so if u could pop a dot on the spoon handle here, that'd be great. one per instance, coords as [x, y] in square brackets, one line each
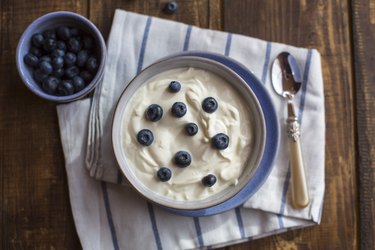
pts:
[300, 196]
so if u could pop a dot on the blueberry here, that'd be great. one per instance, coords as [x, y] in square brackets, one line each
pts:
[164, 174]
[61, 45]
[145, 137]
[170, 7]
[65, 88]
[154, 112]
[88, 42]
[49, 34]
[220, 141]
[78, 83]
[91, 64]
[86, 76]
[182, 159]
[174, 86]
[179, 109]
[37, 40]
[49, 44]
[74, 45]
[209, 105]
[57, 53]
[191, 128]
[31, 60]
[35, 51]
[45, 58]
[71, 72]
[63, 33]
[209, 180]
[58, 73]
[70, 59]
[39, 76]
[58, 62]
[74, 31]
[82, 57]
[50, 85]
[45, 67]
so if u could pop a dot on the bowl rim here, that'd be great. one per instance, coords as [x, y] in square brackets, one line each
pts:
[29, 83]
[126, 170]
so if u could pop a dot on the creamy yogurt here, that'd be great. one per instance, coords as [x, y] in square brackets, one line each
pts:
[231, 118]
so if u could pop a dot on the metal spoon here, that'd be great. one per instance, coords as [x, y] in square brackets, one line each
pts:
[286, 81]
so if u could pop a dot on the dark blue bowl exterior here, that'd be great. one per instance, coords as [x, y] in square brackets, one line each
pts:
[272, 138]
[53, 20]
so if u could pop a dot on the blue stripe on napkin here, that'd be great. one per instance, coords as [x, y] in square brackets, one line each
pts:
[228, 45]
[109, 215]
[283, 198]
[154, 225]
[266, 62]
[240, 222]
[144, 43]
[199, 231]
[304, 86]
[187, 37]
[300, 114]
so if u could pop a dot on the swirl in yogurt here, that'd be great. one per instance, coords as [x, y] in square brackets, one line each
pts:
[231, 118]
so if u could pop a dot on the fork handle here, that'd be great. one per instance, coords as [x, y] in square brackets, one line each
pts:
[300, 196]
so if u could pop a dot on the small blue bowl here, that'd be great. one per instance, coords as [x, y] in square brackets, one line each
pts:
[51, 21]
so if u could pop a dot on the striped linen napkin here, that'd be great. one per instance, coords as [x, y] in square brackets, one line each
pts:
[108, 215]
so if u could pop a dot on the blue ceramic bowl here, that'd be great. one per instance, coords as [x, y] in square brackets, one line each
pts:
[265, 146]
[51, 21]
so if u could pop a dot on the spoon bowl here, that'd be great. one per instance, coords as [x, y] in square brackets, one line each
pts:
[285, 75]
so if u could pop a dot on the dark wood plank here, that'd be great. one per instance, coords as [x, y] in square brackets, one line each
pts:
[364, 50]
[203, 13]
[323, 25]
[35, 208]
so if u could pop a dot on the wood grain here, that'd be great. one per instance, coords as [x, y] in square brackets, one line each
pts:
[35, 208]
[203, 13]
[323, 25]
[34, 203]
[363, 18]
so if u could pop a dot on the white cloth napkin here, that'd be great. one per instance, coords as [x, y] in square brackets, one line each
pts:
[108, 215]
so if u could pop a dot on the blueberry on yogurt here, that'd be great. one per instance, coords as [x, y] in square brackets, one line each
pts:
[182, 159]
[145, 137]
[209, 105]
[154, 112]
[191, 129]
[179, 109]
[164, 174]
[220, 141]
[209, 180]
[174, 86]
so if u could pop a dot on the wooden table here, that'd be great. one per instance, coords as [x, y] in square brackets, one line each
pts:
[34, 202]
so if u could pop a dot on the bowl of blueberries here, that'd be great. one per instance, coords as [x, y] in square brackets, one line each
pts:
[61, 56]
